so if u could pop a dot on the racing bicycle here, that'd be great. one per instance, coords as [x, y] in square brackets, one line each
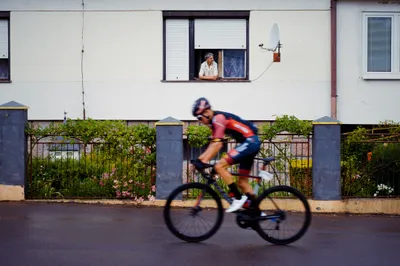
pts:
[269, 212]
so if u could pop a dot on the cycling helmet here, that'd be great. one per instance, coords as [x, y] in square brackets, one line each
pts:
[200, 105]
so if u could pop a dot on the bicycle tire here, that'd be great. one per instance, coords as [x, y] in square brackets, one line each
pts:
[306, 223]
[167, 208]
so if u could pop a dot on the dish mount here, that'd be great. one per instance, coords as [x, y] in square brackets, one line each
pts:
[274, 43]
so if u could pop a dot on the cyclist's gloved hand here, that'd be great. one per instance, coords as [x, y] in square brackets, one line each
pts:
[199, 164]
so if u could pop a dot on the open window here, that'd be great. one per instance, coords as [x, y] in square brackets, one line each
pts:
[188, 36]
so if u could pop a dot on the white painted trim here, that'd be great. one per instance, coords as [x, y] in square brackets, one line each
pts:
[395, 60]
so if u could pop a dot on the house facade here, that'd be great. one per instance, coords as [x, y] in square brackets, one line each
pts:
[139, 60]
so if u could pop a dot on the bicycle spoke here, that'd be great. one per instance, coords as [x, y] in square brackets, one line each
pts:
[283, 227]
[201, 225]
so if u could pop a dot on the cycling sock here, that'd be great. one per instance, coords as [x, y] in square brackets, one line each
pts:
[252, 199]
[234, 189]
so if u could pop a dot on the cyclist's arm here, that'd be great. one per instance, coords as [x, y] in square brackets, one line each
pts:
[216, 142]
[211, 151]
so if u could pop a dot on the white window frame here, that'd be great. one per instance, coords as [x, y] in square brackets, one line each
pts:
[395, 73]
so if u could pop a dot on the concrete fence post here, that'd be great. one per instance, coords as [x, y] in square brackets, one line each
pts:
[169, 148]
[326, 159]
[13, 151]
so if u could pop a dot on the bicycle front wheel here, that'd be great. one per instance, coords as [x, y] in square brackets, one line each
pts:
[193, 212]
[286, 215]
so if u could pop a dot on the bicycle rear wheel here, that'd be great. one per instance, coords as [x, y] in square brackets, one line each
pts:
[296, 208]
[193, 200]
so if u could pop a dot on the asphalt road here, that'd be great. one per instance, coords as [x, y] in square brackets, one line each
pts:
[39, 234]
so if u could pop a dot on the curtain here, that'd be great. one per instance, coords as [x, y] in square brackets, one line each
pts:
[379, 44]
[234, 64]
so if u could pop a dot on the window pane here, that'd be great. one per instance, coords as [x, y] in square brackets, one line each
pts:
[379, 44]
[4, 69]
[234, 63]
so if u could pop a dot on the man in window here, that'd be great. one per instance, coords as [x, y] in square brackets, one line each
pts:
[209, 68]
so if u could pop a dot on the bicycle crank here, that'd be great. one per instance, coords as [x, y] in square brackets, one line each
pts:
[244, 220]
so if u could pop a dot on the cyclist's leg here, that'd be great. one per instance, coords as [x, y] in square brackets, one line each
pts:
[234, 156]
[244, 169]
[239, 198]
[221, 168]
[245, 165]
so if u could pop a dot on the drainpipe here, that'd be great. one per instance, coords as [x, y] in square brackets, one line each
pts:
[333, 60]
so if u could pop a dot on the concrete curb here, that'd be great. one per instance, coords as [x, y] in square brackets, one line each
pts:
[387, 206]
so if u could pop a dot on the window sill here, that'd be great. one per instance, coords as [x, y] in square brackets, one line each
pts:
[381, 76]
[5, 81]
[206, 81]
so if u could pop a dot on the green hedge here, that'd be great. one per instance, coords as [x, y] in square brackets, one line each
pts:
[120, 164]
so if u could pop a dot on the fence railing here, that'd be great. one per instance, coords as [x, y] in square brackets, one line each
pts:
[293, 165]
[59, 168]
[65, 169]
[370, 167]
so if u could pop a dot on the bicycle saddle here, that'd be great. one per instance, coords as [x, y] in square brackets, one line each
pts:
[267, 159]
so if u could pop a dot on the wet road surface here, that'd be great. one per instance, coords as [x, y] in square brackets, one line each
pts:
[40, 234]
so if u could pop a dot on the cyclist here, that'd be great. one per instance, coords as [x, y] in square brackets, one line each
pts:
[245, 133]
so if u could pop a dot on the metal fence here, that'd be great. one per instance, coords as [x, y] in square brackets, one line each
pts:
[59, 168]
[293, 165]
[370, 167]
[72, 169]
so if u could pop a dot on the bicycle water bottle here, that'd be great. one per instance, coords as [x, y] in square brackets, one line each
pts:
[264, 176]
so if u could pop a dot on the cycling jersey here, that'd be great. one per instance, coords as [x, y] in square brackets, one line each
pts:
[232, 125]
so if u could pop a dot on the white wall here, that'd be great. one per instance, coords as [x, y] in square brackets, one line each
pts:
[361, 101]
[150, 5]
[122, 63]
[45, 64]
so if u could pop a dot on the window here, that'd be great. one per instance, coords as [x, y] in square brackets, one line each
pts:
[381, 45]
[189, 36]
[4, 46]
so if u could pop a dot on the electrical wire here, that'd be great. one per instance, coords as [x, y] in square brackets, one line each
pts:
[82, 51]
[263, 71]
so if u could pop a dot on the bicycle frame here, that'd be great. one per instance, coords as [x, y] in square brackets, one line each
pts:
[211, 181]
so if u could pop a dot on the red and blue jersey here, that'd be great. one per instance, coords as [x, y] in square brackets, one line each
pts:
[231, 125]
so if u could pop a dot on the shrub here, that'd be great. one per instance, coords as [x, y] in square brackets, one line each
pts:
[370, 161]
[113, 156]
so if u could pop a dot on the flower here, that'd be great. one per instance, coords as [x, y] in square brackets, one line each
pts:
[384, 188]
[140, 200]
[369, 155]
[153, 188]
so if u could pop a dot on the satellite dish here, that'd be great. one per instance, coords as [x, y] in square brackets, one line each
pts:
[274, 38]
